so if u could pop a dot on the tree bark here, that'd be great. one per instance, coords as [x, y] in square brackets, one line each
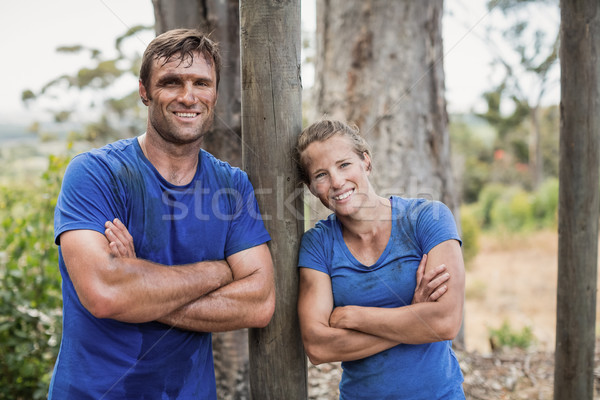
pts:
[271, 122]
[220, 18]
[578, 199]
[380, 65]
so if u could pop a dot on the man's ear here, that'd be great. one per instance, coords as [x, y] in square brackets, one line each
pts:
[143, 93]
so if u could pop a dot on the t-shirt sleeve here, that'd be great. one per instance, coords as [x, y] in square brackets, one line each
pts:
[87, 198]
[313, 253]
[247, 227]
[435, 224]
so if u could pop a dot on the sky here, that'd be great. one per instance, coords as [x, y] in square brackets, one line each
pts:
[31, 30]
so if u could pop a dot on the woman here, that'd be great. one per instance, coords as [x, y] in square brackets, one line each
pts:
[358, 274]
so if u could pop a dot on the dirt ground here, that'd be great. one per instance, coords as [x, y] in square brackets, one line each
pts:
[512, 279]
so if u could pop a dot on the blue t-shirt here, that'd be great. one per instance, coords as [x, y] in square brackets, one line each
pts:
[213, 217]
[425, 371]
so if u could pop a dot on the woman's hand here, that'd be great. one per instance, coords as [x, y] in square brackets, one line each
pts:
[119, 239]
[430, 285]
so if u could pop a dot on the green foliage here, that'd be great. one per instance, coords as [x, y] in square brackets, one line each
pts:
[116, 117]
[472, 146]
[30, 296]
[545, 204]
[470, 233]
[487, 198]
[511, 208]
[494, 115]
[506, 336]
[513, 211]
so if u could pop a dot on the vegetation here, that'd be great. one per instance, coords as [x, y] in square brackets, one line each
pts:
[107, 116]
[30, 297]
[506, 336]
[491, 157]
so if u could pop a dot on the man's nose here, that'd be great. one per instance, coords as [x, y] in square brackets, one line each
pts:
[188, 94]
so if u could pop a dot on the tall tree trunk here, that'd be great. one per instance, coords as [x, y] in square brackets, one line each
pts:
[220, 18]
[379, 65]
[578, 199]
[272, 120]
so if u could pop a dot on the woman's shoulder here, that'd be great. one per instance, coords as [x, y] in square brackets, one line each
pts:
[323, 230]
[413, 208]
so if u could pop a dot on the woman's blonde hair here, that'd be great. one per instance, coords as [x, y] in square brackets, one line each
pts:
[323, 130]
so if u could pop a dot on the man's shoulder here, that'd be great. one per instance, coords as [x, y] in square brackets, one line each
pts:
[222, 170]
[120, 150]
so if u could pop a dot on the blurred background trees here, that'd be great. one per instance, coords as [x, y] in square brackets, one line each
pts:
[503, 167]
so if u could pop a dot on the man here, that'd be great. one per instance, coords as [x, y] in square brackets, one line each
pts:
[136, 319]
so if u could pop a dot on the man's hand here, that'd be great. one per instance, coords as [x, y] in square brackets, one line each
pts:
[431, 285]
[119, 239]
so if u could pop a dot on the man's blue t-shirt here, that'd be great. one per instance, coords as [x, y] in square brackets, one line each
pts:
[425, 371]
[213, 217]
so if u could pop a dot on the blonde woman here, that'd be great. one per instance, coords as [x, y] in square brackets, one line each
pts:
[362, 298]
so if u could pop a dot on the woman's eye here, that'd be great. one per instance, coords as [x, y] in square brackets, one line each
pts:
[344, 165]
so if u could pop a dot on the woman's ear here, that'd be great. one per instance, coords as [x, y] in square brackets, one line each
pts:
[367, 161]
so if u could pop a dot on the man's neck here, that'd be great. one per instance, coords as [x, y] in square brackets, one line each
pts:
[176, 163]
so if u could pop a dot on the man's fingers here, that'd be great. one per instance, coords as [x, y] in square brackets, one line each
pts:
[421, 269]
[122, 229]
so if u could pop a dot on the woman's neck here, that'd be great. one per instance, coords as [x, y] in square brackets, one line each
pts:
[369, 221]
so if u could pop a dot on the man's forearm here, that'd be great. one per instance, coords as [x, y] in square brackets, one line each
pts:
[142, 291]
[244, 303]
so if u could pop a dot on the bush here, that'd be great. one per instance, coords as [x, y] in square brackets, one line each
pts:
[30, 296]
[486, 200]
[545, 204]
[506, 336]
[513, 212]
[470, 233]
[512, 209]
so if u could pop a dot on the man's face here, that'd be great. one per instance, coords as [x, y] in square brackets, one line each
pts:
[181, 99]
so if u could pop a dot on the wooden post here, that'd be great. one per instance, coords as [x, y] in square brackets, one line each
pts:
[578, 199]
[271, 122]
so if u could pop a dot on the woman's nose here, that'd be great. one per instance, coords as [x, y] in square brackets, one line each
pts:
[337, 180]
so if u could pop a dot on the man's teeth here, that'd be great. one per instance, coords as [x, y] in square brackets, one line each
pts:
[186, 115]
[344, 195]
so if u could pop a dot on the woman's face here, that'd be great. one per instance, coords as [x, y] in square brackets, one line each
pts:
[337, 175]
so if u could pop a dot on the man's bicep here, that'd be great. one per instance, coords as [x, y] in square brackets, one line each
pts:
[85, 252]
[251, 261]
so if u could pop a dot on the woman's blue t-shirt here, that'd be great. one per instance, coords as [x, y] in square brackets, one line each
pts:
[425, 371]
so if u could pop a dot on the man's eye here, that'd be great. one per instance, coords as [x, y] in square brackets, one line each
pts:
[168, 83]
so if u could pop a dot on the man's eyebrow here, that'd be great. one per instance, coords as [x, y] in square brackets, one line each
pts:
[168, 77]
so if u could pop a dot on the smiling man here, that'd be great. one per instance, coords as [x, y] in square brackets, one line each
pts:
[160, 244]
